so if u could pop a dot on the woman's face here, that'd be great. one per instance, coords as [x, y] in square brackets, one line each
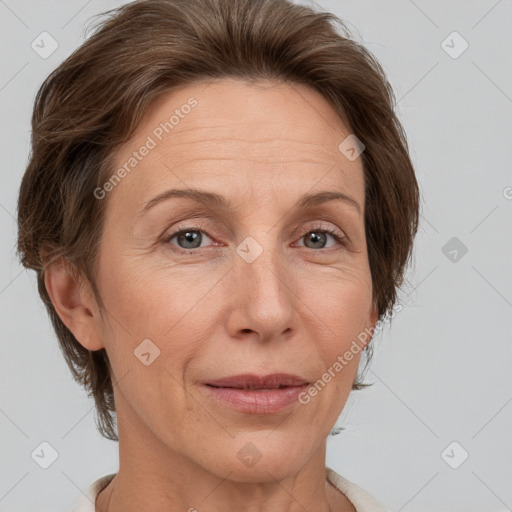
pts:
[258, 286]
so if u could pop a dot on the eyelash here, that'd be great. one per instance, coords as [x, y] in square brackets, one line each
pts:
[341, 240]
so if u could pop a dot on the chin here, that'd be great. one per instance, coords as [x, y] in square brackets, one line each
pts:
[263, 458]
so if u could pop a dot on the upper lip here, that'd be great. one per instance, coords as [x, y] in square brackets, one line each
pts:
[252, 381]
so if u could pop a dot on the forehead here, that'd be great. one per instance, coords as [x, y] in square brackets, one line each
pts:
[231, 132]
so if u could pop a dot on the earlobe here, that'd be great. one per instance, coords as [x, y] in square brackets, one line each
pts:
[74, 303]
[375, 316]
[370, 330]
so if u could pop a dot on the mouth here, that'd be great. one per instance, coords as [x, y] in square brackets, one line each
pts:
[254, 394]
[255, 382]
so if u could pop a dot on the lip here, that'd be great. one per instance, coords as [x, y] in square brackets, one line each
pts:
[253, 381]
[257, 394]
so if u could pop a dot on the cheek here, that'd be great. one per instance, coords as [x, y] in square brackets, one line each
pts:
[344, 300]
[168, 306]
[341, 316]
[342, 310]
[150, 327]
[146, 298]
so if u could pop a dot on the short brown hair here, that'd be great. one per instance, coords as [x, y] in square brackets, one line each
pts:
[95, 99]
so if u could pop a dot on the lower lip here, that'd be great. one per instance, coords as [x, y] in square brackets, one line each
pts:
[264, 401]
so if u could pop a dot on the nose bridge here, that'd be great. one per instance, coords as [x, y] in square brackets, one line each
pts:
[263, 296]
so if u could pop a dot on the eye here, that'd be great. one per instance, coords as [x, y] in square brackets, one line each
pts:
[188, 238]
[317, 238]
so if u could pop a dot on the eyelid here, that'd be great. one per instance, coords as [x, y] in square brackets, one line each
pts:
[339, 236]
[186, 226]
[334, 232]
[318, 224]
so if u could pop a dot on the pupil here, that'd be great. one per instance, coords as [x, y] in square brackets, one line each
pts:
[192, 237]
[316, 238]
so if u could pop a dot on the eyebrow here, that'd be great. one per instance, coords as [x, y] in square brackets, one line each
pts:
[219, 202]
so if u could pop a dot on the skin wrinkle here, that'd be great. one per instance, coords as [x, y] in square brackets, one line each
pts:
[160, 213]
[200, 148]
[294, 309]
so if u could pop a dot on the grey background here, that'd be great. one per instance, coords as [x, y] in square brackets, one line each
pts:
[441, 372]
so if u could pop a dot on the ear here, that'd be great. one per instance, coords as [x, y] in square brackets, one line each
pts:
[73, 301]
[374, 318]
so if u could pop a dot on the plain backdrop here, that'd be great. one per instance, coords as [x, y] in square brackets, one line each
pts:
[433, 433]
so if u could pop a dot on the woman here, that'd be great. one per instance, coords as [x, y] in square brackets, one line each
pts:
[220, 207]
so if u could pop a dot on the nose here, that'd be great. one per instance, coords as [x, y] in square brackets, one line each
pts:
[262, 295]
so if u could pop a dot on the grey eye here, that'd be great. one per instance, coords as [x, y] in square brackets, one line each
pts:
[188, 238]
[315, 240]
